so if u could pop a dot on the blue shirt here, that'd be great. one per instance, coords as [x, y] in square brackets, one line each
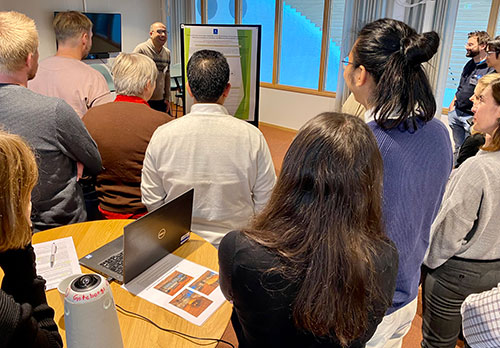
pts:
[417, 164]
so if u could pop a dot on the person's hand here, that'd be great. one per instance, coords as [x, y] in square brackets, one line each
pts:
[167, 102]
[79, 170]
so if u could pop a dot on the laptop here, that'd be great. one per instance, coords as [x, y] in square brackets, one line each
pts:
[144, 241]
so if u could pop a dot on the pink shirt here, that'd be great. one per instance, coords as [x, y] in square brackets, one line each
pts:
[72, 80]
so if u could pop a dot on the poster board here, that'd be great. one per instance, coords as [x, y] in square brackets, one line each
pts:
[240, 44]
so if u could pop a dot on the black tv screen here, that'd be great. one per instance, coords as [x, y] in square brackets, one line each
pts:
[107, 33]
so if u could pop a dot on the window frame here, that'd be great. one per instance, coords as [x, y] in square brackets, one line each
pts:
[278, 25]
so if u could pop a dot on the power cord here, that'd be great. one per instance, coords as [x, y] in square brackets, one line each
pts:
[178, 333]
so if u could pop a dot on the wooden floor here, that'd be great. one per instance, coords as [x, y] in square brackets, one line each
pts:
[279, 139]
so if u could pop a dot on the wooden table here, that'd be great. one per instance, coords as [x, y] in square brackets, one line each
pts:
[137, 333]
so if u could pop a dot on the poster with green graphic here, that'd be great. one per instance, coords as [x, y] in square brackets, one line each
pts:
[240, 44]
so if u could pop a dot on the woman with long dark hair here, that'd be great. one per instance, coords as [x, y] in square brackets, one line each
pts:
[464, 251]
[384, 72]
[315, 269]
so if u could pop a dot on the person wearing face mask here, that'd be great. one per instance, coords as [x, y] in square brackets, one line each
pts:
[464, 247]
[460, 107]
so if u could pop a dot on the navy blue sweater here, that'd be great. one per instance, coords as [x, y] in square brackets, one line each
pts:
[417, 164]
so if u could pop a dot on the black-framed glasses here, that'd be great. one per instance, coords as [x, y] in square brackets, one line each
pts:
[346, 61]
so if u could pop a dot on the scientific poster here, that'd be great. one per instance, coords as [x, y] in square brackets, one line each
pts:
[240, 44]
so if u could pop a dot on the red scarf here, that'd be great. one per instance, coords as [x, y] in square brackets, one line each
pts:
[130, 99]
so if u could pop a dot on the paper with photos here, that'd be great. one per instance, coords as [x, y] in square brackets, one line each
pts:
[187, 289]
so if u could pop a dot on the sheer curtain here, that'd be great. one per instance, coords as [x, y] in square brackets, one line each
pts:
[178, 12]
[443, 22]
[356, 14]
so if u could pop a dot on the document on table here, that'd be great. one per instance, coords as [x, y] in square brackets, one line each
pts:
[186, 289]
[56, 260]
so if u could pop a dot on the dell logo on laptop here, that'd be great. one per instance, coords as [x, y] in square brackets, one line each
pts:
[162, 233]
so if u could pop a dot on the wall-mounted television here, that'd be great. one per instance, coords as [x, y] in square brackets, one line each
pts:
[107, 34]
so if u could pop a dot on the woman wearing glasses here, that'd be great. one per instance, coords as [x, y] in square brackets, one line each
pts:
[315, 269]
[464, 251]
[384, 72]
[25, 318]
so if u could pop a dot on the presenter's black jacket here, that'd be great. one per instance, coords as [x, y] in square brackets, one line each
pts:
[26, 320]
[262, 314]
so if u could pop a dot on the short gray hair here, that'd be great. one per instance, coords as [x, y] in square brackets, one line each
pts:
[18, 38]
[131, 73]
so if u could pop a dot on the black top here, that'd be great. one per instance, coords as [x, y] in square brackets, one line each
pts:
[468, 80]
[262, 312]
[26, 320]
[470, 147]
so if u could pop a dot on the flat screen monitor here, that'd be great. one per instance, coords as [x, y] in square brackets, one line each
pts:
[107, 34]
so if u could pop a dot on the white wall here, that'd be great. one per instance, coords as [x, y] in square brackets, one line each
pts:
[289, 109]
[137, 16]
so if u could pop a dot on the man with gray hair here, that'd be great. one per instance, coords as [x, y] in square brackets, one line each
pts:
[154, 48]
[65, 75]
[122, 131]
[50, 126]
[225, 159]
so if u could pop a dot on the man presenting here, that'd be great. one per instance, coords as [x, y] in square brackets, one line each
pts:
[154, 49]
[49, 125]
[64, 75]
[225, 159]
[460, 107]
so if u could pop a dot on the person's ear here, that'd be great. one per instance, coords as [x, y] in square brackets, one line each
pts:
[188, 89]
[226, 90]
[361, 76]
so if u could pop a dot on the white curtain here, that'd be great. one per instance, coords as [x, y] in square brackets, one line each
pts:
[357, 13]
[443, 22]
[178, 12]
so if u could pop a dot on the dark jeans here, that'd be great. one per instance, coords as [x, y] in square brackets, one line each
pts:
[444, 290]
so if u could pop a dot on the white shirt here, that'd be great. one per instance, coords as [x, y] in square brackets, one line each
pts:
[225, 159]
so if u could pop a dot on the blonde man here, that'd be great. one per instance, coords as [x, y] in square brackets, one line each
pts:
[65, 75]
[154, 49]
[122, 131]
[50, 125]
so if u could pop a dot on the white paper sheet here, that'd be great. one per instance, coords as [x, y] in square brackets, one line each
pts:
[186, 289]
[65, 261]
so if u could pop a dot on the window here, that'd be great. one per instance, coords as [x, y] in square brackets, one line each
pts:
[301, 37]
[262, 12]
[302, 59]
[334, 42]
[470, 18]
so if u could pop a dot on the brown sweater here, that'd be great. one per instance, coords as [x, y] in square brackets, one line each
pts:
[122, 131]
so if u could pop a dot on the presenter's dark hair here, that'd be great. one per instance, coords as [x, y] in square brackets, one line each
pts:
[324, 220]
[208, 75]
[393, 53]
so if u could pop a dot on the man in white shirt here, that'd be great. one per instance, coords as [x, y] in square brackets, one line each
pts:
[64, 75]
[225, 159]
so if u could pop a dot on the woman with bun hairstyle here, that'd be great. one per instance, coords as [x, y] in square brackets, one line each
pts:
[315, 269]
[384, 72]
[464, 251]
[25, 318]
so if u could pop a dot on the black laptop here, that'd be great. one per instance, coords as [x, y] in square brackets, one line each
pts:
[145, 241]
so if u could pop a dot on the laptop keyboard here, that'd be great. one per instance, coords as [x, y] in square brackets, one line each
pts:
[114, 263]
